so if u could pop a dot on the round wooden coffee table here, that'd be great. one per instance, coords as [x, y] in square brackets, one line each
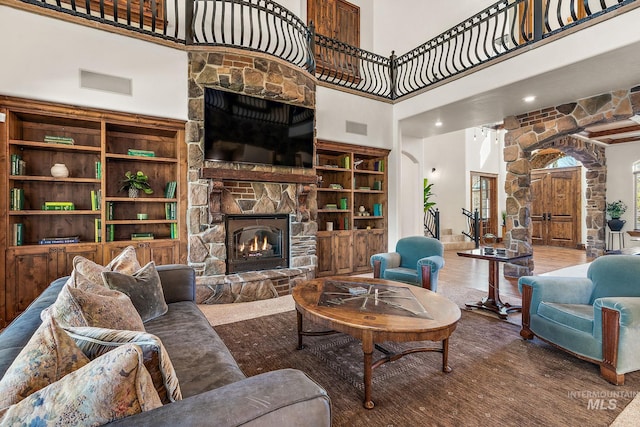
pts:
[374, 311]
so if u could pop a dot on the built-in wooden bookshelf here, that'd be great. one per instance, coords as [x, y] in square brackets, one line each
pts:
[94, 146]
[353, 178]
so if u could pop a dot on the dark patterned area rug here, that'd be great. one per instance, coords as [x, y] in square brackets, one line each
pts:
[498, 379]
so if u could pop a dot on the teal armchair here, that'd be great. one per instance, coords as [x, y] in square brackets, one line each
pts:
[596, 318]
[416, 261]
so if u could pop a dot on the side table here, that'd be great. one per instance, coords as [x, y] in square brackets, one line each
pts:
[492, 301]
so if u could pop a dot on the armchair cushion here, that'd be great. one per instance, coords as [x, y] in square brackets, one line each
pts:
[576, 316]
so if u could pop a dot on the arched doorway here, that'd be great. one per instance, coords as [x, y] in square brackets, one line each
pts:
[555, 127]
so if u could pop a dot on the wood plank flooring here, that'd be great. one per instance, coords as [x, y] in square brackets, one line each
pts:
[473, 273]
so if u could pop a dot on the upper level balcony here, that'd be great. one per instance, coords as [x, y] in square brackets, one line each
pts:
[501, 31]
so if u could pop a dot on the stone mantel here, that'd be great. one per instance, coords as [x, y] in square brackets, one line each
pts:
[255, 176]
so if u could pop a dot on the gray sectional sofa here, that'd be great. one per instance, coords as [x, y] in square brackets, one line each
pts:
[214, 389]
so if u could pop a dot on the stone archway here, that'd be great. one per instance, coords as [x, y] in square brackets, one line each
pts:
[553, 127]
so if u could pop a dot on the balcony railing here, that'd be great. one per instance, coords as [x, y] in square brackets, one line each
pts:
[266, 26]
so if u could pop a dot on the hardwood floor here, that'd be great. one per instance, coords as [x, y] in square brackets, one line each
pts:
[473, 273]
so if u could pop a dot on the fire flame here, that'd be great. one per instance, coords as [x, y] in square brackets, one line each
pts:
[255, 245]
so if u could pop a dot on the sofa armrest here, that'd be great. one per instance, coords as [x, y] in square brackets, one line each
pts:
[567, 290]
[387, 260]
[178, 282]
[286, 397]
[629, 308]
[435, 262]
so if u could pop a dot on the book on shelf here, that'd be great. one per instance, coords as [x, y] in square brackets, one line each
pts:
[16, 202]
[18, 166]
[110, 208]
[17, 238]
[141, 236]
[143, 153]
[98, 230]
[170, 209]
[111, 233]
[59, 240]
[98, 170]
[174, 230]
[58, 206]
[96, 196]
[170, 189]
[52, 139]
[331, 206]
[377, 209]
[378, 165]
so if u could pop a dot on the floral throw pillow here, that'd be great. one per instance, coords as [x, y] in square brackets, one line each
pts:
[112, 387]
[49, 355]
[143, 287]
[94, 342]
[88, 273]
[105, 308]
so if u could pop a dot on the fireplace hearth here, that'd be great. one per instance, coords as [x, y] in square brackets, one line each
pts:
[257, 242]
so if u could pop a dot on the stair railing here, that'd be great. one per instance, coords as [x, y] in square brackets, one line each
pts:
[473, 220]
[432, 223]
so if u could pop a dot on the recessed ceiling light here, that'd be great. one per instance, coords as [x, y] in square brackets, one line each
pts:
[529, 98]
[438, 123]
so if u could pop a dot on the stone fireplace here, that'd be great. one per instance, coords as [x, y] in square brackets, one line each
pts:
[220, 191]
[257, 242]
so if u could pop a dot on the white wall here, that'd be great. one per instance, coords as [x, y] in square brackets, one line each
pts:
[42, 59]
[447, 154]
[335, 108]
[620, 159]
[410, 196]
[405, 24]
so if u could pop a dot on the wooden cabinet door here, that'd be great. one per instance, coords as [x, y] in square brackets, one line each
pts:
[164, 252]
[556, 207]
[360, 251]
[29, 272]
[365, 244]
[342, 252]
[324, 249]
[92, 252]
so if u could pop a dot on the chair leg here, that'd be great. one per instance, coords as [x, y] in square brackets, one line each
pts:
[610, 341]
[527, 293]
[376, 269]
[426, 277]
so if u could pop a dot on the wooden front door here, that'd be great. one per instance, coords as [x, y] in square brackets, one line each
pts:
[484, 198]
[556, 207]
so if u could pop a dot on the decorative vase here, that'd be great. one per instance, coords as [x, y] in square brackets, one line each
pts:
[59, 170]
[133, 192]
[616, 224]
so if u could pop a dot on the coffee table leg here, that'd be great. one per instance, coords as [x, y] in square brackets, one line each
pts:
[445, 356]
[299, 316]
[367, 349]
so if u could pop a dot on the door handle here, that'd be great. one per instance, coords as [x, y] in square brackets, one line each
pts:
[544, 216]
[549, 216]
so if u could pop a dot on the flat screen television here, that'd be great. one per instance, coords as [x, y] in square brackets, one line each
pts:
[246, 129]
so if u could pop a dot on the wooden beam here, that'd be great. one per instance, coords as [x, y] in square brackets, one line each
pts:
[256, 176]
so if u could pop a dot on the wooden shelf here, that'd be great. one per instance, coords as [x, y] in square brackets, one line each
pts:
[256, 176]
[101, 136]
[347, 248]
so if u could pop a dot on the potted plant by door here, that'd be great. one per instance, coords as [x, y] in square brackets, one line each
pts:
[134, 182]
[615, 211]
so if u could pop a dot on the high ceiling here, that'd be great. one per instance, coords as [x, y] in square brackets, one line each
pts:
[616, 69]
[614, 133]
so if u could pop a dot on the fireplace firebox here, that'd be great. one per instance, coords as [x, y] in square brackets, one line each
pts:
[257, 242]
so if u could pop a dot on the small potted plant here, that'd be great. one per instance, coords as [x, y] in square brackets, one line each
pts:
[134, 182]
[615, 211]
